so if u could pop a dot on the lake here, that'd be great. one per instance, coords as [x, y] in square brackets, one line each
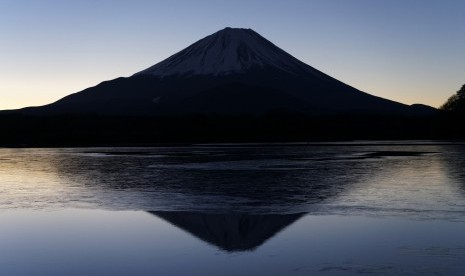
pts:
[381, 208]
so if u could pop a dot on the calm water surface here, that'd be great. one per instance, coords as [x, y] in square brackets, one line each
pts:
[318, 209]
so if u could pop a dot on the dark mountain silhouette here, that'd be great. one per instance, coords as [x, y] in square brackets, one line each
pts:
[231, 86]
[230, 232]
[231, 72]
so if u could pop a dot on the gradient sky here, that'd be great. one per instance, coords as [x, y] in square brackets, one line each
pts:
[411, 51]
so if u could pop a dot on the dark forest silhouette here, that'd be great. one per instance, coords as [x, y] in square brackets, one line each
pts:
[456, 103]
[452, 115]
[277, 127]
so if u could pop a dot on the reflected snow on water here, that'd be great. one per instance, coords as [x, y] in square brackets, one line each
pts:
[319, 209]
[422, 180]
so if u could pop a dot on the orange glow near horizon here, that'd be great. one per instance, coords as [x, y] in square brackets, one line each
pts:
[50, 50]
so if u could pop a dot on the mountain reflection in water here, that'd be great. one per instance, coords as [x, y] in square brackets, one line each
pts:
[231, 231]
[286, 179]
[320, 209]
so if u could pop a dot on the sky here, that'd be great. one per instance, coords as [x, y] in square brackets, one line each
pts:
[410, 51]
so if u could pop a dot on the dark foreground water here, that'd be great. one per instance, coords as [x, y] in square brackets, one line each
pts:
[317, 209]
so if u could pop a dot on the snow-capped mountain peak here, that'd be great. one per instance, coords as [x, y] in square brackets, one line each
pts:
[231, 50]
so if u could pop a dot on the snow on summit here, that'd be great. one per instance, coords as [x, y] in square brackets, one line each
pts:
[231, 50]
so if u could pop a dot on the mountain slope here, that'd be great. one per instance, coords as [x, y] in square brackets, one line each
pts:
[231, 72]
[229, 51]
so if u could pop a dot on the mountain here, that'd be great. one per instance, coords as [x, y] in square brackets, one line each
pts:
[229, 51]
[231, 72]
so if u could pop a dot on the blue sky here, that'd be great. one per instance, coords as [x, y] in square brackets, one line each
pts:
[412, 51]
